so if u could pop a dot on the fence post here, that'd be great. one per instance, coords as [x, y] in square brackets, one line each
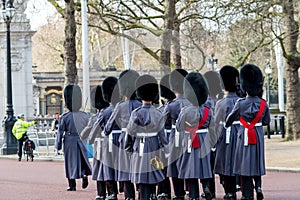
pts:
[282, 128]
[268, 131]
[275, 125]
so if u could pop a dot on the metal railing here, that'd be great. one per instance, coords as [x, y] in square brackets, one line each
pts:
[44, 141]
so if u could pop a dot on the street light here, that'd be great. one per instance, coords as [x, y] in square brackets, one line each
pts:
[10, 142]
[268, 71]
[213, 62]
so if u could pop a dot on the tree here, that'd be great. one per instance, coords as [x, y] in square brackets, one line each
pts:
[70, 44]
[289, 41]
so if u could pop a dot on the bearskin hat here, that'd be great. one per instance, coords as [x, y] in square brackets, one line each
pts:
[73, 97]
[195, 88]
[146, 88]
[97, 98]
[126, 83]
[230, 78]
[165, 90]
[176, 80]
[252, 80]
[213, 80]
[109, 89]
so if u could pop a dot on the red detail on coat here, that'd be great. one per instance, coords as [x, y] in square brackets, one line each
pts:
[250, 127]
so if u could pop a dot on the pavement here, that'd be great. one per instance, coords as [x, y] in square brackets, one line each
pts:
[45, 178]
[280, 155]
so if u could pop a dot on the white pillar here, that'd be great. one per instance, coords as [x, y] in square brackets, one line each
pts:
[85, 56]
[280, 70]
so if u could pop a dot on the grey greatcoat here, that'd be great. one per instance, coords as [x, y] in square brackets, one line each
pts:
[171, 112]
[109, 153]
[250, 159]
[93, 136]
[76, 160]
[120, 118]
[226, 145]
[146, 120]
[195, 162]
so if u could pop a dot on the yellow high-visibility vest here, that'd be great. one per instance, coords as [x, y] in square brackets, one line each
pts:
[20, 128]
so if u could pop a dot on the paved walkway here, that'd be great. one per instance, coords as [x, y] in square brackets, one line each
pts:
[280, 155]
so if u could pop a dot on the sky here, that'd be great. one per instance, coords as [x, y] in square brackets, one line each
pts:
[39, 12]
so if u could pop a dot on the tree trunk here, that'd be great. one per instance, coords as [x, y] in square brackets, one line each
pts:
[165, 50]
[176, 44]
[292, 77]
[70, 44]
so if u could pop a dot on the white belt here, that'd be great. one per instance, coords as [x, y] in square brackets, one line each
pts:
[152, 134]
[168, 130]
[124, 129]
[205, 130]
[233, 123]
[257, 124]
[116, 131]
[246, 133]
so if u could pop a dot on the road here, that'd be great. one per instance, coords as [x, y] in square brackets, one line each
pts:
[40, 180]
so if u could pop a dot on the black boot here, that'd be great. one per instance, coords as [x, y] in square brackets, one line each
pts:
[259, 194]
[207, 193]
[177, 198]
[230, 196]
[72, 185]
[112, 197]
[85, 182]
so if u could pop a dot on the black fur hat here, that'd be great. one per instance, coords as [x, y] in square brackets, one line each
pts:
[147, 88]
[97, 98]
[230, 78]
[73, 97]
[165, 90]
[126, 83]
[109, 88]
[252, 80]
[213, 82]
[195, 88]
[176, 80]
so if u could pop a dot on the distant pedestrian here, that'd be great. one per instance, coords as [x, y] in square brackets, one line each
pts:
[54, 125]
[253, 113]
[20, 132]
[71, 124]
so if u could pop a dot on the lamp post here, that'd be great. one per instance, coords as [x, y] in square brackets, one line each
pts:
[213, 62]
[10, 142]
[268, 71]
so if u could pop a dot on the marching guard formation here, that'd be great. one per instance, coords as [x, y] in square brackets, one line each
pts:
[205, 125]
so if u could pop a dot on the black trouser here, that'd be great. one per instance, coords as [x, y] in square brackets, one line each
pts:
[147, 190]
[229, 184]
[113, 187]
[193, 185]
[257, 181]
[212, 184]
[101, 188]
[178, 186]
[205, 183]
[164, 187]
[72, 183]
[247, 186]
[129, 189]
[20, 145]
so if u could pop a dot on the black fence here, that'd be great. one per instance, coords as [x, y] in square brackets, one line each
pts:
[277, 126]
